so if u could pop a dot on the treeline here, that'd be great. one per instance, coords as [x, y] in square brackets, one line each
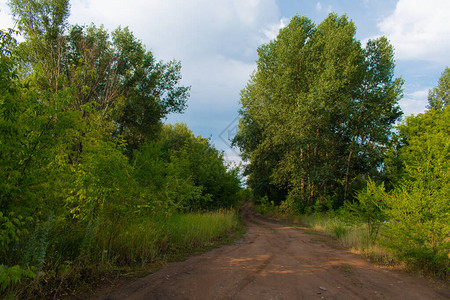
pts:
[317, 128]
[85, 158]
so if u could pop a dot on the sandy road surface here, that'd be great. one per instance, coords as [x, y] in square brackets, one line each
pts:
[274, 261]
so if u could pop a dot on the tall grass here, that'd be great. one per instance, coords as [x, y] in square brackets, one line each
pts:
[350, 235]
[68, 256]
[148, 239]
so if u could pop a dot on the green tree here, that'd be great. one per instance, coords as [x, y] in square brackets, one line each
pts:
[10, 108]
[186, 171]
[114, 74]
[370, 208]
[149, 88]
[317, 112]
[43, 24]
[439, 97]
[418, 206]
[28, 143]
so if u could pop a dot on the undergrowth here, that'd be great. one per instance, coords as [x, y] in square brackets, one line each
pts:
[68, 260]
[351, 236]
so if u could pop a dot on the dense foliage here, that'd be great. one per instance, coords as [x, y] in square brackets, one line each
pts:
[83, 149]
[317, 114]
[413, 215]
[418, 207]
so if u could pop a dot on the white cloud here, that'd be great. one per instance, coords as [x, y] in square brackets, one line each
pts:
[216, 80]
[319, 6]
[415, 102]
[184, 29]
[419, 30]
[5, 19]
[231, 157]
[330, 9]
[271, 30]
[216, 41]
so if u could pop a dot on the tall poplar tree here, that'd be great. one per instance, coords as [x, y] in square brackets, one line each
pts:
[317, 112]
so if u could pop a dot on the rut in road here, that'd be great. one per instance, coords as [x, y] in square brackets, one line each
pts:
[274, 261]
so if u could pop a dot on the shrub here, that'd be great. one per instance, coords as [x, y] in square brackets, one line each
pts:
[265, 206]
[370, 208]
[419, 223]
[10, 276]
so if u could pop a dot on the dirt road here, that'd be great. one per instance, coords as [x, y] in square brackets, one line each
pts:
[274, 261]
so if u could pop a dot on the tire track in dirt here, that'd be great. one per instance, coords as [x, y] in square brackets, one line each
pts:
[275, 261]
[251, 277]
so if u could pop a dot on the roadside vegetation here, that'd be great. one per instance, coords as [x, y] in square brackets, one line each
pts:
[54, 263]
[91, 180]
[320, 127]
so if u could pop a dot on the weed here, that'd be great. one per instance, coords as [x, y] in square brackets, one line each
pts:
[339, 230]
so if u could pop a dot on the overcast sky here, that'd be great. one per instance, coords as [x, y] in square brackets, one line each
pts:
[216, 42]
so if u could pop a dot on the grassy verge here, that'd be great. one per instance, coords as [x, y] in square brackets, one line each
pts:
[150, 239]
[79, 258]
[352, 236]
[355, 237]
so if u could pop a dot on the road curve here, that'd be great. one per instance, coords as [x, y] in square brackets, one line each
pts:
[274, 261]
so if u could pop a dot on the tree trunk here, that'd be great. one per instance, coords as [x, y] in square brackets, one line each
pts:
[347, 174]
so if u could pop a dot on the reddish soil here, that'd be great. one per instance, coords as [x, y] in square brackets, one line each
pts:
[274, 261]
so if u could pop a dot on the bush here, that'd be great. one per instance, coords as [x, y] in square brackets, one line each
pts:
[370, 208]
[265, 206]
[11, 276]
[419, 224]
[418, 206]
